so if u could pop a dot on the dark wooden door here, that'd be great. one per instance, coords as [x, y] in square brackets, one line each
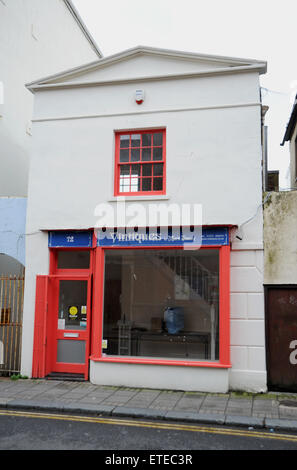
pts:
[281, 337]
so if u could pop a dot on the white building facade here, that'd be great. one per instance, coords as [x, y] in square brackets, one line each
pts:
[133, 306]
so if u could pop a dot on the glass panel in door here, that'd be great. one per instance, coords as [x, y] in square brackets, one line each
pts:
[73, 305]
[72, 333]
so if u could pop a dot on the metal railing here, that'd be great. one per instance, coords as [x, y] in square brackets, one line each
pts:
[199, 279]
[11, 316]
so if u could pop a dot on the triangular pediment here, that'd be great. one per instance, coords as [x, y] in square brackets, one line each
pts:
[147, 63]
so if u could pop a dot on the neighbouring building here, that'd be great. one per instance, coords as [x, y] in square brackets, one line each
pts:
[138, 300]
[291, 137]
[36, 38]
[280, 244]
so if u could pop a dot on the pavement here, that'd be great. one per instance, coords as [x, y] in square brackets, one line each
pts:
[273, 411]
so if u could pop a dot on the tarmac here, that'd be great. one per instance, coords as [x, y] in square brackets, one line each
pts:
[273, 411]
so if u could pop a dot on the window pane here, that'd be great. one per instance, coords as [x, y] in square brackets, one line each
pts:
[124, 141]
[147, 170]
[158, 139]
[135, 140]
[73, 259]
[135, 155]
[146, 155]
[135, 181]
[146, 184]
[146, 140]
[158, 169]
[135, 170]
[177, 317]
[125, 170]
[124, 155]
[135, 184]
[158, 184]
[158, 153]
[125, 186]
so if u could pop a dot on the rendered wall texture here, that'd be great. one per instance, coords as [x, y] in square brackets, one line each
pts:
[280, 242]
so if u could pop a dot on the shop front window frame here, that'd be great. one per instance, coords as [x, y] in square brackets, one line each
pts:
[224, 314]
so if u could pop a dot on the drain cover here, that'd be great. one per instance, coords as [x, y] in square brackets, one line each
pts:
[291, 403]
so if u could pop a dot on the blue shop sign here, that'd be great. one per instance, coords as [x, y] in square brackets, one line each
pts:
[70, 239]
[215, 236]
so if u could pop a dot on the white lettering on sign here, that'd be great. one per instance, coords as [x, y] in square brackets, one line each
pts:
[70, 239]
[293, 355]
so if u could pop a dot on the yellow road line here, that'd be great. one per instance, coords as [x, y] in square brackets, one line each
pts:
[154, 425]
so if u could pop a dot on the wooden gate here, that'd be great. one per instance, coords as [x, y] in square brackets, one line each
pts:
[11, 315]
[281, 337]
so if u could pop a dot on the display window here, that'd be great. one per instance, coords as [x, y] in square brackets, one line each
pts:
[162, 304]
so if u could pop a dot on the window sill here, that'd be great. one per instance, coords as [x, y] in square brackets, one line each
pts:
[139, 198]
[165, 362]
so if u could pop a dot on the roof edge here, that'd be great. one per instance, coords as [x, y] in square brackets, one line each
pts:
[261, 65]
[83, 27]
[206, 73]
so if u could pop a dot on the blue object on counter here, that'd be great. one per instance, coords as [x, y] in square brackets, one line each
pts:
[174, 319]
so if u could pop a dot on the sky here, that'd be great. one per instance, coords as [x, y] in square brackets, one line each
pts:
[254, 29]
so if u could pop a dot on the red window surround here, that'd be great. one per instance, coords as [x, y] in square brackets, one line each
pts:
[140, 162]
[224, 318]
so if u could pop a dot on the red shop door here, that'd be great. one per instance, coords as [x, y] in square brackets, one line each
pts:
[69, 306]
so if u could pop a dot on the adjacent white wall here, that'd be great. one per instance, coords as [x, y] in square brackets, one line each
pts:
[37, 38]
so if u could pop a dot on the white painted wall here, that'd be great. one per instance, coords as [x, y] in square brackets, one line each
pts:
[247, 321]
[37, 38]
[293, 158]
[213, 129]
[154, 376]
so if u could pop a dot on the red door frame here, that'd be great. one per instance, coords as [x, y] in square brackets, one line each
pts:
[54, 334]
[46, 311]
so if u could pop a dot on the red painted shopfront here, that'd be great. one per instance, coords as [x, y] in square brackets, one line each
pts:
[126, 302]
